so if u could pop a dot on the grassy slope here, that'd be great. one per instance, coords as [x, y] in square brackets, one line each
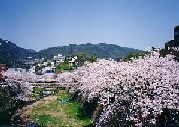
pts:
[50, 112]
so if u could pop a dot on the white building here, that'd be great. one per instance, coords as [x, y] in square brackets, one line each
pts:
[59, 58]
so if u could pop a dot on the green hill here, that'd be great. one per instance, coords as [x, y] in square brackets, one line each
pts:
[101, 50]
[12, 55]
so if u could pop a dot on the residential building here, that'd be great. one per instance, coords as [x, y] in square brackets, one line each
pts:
[172, 46]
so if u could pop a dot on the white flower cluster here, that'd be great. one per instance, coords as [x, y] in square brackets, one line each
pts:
[17, 75]
[20, 80]
[146, 86]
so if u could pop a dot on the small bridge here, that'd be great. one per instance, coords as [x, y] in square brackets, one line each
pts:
[45, 84]
[42, 84]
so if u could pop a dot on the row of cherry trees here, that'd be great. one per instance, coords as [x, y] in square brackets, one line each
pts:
[137, 90]
[132, 92]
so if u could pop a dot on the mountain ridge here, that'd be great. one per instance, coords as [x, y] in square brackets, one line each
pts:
[101, 50]
[12, 55]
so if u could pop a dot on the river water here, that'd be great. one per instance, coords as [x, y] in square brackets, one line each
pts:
[27, 125]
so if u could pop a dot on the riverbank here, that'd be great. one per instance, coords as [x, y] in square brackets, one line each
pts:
[55, 110]
[8, 105]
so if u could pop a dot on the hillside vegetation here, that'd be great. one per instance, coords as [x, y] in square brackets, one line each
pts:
[12, 55]
[101, 50]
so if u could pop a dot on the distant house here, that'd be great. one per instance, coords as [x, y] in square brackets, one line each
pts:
[52, 64]
[72, 60]
[3, 68]
[45, 63]
[59, 58]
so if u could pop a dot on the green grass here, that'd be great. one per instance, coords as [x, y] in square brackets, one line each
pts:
[38, 89]
[53, 113]
[37, 93]
[44, 119]
[35, 96]
[62, 94]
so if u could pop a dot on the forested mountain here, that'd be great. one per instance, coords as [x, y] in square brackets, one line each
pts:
[101, 50]
[12, 55]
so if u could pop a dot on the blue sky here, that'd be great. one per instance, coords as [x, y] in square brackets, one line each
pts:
[40, 24]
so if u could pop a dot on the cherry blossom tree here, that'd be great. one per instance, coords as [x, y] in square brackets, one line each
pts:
[139, 89]
[20, 80]
[134, 92]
